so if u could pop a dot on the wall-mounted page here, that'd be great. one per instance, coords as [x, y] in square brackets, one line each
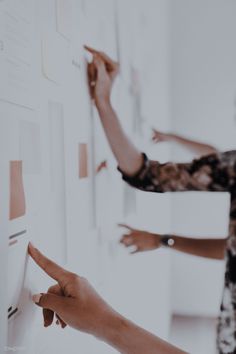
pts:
[30, 152]
[55, 58]
[83, 160]
[17, 53]
[57, 201]
[17, 195]
[65, 16]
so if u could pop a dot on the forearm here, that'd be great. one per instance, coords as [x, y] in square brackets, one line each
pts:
[199, 148]
[127, 155]
[128, 338]
[209, 248]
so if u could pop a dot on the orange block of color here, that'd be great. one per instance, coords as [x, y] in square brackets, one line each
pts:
[83, 161]
[17, 194]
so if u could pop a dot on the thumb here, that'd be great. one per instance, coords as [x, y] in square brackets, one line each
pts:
[50, 301]
[101, 68]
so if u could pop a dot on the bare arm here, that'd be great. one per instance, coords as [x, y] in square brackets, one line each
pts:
[127, 155]
[196, 147]
[209, 248]
[74, 302]
[102, 72]
[143, 241]
[131, 339]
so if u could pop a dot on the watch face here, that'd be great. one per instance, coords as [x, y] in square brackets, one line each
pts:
[171, 242]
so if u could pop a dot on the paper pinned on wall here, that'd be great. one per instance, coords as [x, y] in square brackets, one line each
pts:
[55, 58]
[17, 195]
[65, 15]
[30, 147]
[57, 205]
[17, 53]
[83, 161]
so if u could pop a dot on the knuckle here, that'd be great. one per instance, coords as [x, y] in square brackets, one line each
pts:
[51, 288]
[73, 277]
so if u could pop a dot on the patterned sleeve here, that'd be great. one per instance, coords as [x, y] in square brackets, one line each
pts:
[215, 172]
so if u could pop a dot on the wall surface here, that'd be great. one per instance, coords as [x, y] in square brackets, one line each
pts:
[177, 73]
[54, 143]
[203, 96]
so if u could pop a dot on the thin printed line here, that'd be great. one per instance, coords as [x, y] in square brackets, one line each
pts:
[17, 234]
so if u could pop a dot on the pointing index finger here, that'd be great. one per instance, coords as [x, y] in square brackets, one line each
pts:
[110, 62]
[126, 226]
[51, 268]
[91, 50]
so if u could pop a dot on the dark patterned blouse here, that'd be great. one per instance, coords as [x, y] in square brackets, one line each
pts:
[216, 173]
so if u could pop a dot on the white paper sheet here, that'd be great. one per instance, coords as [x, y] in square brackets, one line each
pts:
[57, 200]
[17, 53]
[30, 152]
[55, 58]
[65, 17]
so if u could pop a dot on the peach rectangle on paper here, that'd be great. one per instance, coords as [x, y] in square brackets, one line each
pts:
[83, 161]
[17, 194]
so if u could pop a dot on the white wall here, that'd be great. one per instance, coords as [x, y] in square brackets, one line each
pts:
[203, 94]
[54, 92]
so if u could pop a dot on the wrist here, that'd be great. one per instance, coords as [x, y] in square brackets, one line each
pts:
[102, 102]
[167, 240]
[170, 137]
[156, 240]
[115, 328]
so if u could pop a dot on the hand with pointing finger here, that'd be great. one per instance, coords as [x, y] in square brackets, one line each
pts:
[75, 303]
[72, 300]
[141, 240]
[159, 137]
[101, 74]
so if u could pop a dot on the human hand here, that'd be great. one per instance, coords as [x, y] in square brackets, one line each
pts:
[72, 300]
[159, 137]
[141, 240]
[101, 75]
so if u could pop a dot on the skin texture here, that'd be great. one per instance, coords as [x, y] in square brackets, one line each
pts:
[128, 156]
[196, 147]
[130, 159]
[143, 241]
[75, 302]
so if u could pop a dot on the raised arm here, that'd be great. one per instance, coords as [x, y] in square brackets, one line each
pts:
[196, 147]
[102, 73]
[211, 173]
[142, 241]
[74, 302]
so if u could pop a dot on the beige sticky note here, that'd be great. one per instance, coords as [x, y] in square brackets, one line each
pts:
[83, 161]
[17, 194]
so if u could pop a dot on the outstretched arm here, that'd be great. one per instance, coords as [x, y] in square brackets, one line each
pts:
[102, 72]
[143, 241]
[74, 302]
[196, 147]
[214, 172]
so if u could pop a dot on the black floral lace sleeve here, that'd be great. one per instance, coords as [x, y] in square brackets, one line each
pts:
[215, 172]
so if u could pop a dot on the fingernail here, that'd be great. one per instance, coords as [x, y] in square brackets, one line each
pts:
[31, 244]
[36, 298]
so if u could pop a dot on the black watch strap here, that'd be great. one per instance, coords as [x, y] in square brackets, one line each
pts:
[167, 241]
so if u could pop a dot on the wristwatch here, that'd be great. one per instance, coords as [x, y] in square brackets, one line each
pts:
[167, 241]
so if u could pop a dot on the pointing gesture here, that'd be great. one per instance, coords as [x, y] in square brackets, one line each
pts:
[101, 75]
[141, 240]
[72, 300]
[76, 303]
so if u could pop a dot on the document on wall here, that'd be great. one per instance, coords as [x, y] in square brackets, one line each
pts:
[17, 53]
[30, 147]
[55, 58]
[65, 18]
[56, 224]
